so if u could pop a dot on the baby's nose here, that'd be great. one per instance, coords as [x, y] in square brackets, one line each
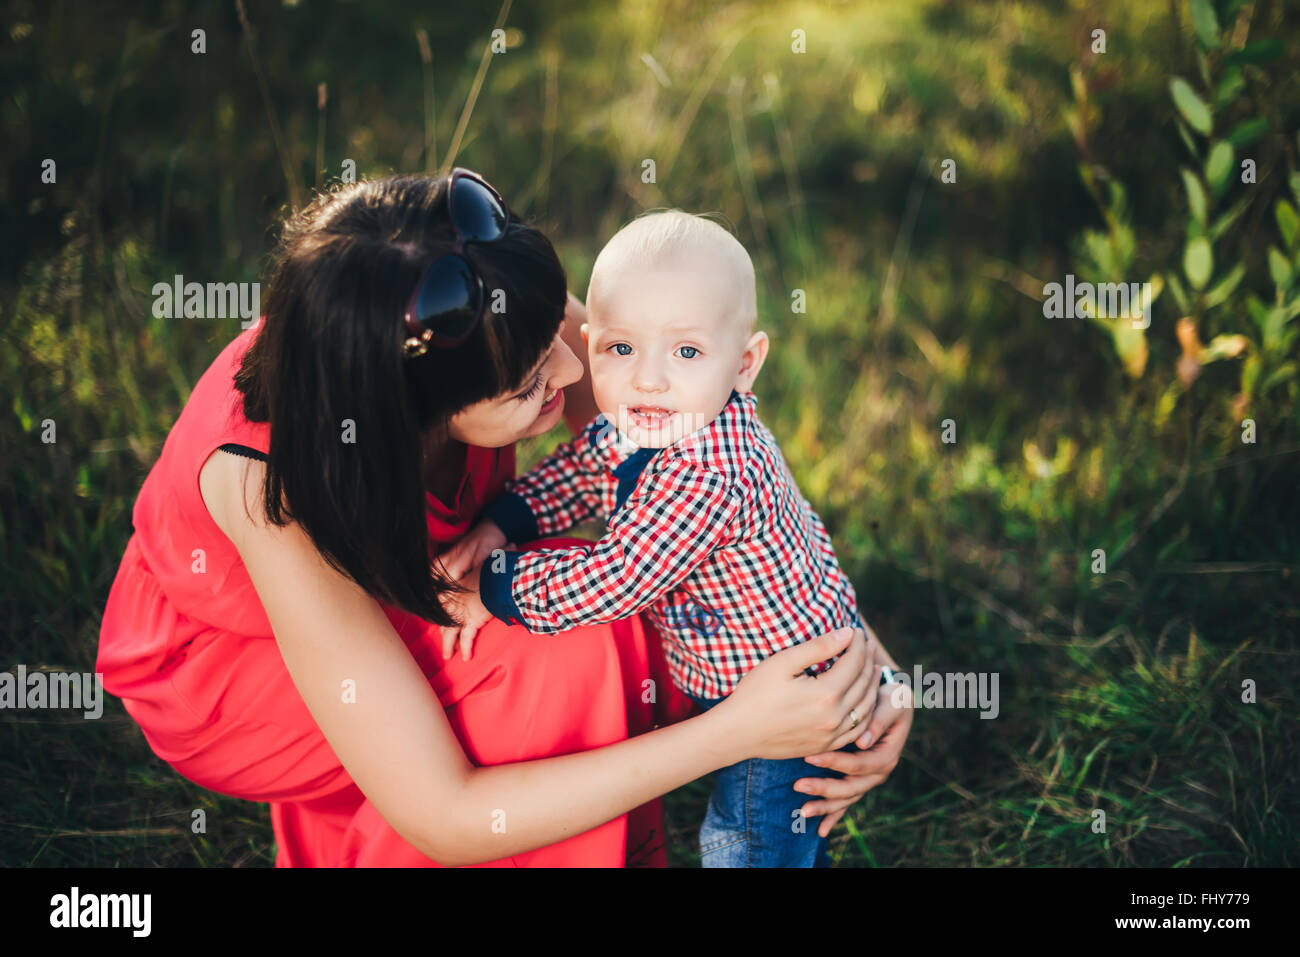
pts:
[650, 376]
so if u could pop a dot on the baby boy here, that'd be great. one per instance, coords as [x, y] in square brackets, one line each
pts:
[706, 530]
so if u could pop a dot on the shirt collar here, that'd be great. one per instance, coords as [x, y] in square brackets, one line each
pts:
[612, 446]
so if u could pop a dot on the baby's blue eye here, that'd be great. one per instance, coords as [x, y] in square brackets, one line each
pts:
[623, 345]
[692, 349]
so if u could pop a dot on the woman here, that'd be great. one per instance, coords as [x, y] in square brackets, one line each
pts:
[274, 627]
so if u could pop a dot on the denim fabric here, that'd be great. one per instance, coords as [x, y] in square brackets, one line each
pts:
[753, 817]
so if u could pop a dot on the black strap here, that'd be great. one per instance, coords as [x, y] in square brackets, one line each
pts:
[243, 450]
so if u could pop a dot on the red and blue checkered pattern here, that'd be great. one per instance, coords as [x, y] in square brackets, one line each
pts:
[712, 539]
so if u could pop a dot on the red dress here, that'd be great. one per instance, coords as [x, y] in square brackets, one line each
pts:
[187, 647]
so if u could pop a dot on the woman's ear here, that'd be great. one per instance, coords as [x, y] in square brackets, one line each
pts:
[751, 361]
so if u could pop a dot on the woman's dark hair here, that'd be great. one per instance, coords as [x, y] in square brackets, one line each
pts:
[351, 419]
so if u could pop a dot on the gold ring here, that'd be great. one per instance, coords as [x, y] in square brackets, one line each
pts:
[853, 713]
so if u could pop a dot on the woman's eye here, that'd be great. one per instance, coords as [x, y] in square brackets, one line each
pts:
[691, 349]
[532, 390]
[623, 345]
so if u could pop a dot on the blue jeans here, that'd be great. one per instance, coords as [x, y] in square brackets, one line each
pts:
[753, 817]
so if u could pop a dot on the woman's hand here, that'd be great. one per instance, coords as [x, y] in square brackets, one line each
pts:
[783, 713]
[886, 733]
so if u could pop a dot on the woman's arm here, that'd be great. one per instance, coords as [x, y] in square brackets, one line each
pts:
[579, 398]
[376, 709]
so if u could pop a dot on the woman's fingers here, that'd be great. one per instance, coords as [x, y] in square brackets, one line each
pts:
[859, 702]
[467, 635]
[855, 764]
[898, 697]
[843, 673]
[819, 649]
[449, 636]
[819, 808]
[829, 811]
[862, 682]
[832, 789]
[829, 821]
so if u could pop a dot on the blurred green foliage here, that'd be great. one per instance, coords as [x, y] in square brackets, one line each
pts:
[1121, 690]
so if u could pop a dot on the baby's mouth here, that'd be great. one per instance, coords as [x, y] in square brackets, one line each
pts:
[650, 411]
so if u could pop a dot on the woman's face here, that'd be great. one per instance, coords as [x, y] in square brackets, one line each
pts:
[524, 412]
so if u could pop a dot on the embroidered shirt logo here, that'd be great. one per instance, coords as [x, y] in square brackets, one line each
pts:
[694, 617]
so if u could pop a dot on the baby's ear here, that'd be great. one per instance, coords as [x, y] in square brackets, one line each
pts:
[751, 361]
[583, 329]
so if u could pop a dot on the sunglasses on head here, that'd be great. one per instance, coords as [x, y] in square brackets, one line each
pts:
[449, 298]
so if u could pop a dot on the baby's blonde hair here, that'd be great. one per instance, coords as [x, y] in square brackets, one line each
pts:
[659, 233]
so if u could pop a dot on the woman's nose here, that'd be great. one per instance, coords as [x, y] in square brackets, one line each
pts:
[569, 370]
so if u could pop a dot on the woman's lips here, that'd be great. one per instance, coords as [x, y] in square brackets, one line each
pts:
[556, 402]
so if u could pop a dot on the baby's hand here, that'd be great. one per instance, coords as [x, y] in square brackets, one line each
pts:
[469, 611]
[473, 549]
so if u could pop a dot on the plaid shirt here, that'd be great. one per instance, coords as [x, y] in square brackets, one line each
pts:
[710, 536]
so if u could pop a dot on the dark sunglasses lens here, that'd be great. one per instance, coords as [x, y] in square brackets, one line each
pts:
[476, 213]
[449, 300]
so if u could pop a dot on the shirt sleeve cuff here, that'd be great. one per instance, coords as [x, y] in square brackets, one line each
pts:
[494, 589]
[513, 516]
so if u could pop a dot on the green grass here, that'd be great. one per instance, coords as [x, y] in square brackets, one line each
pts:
[1121, 692]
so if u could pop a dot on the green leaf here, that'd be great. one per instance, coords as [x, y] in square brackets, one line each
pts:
[1264, 51]
[1198, 262]
[1193, 108]
[1186, 135]
[1205, 23]
[1221, 224]
[1195, 195]
[1287, 222]
[1273, 327]
[1225, 286]
[1165, 407]
[1278, 268]
[1250, 373]
[1294, 180]
[1246, 132]
[1286, 370]
[1131, 345]
[1223, 347]
[1231, 85]
[1218, 168]
[1118, 198]
[1258, 311]
[1179, 293]
[1078, 85]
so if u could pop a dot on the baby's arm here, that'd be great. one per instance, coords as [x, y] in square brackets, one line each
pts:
[656, 540]
[561, 492]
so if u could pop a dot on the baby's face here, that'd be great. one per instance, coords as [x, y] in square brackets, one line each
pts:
[666, 347]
